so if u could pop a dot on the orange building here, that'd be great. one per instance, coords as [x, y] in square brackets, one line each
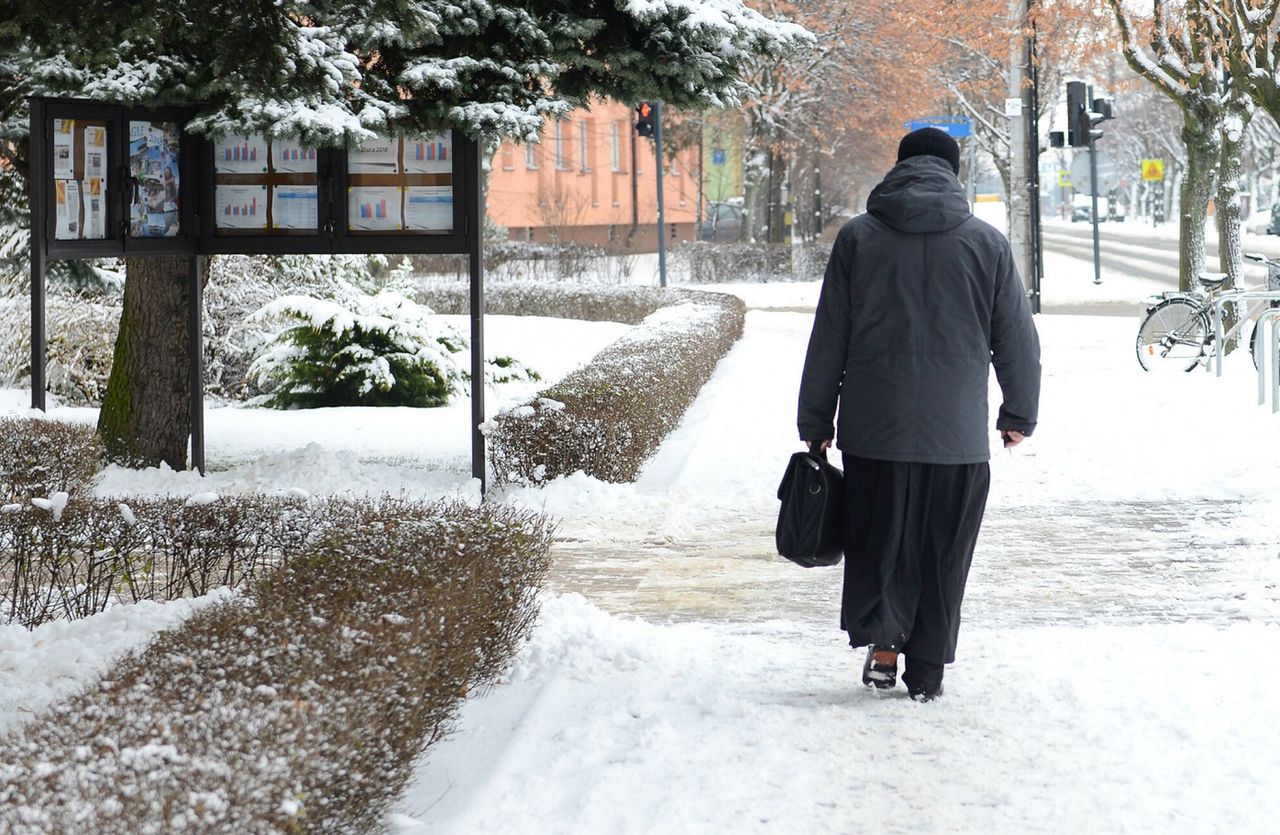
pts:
[589, 179]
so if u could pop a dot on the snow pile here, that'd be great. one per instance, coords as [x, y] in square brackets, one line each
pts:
[613, 725]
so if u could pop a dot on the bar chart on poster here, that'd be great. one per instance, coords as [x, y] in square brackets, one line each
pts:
[79, 167]
[401, 184]
[264, 186]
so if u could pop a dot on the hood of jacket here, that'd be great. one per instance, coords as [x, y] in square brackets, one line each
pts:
[920, 194]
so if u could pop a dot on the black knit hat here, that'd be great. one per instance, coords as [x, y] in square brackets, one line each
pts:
[930, 142]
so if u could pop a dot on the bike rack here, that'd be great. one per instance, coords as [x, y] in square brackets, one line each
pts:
[1271, 316]
[1220, 303]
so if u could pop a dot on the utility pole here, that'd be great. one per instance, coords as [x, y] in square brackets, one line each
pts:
[1019, 211]
[662, 220]
[1031, 107]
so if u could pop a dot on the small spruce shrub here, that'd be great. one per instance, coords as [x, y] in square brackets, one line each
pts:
[388, 351]
[40, 457]
[300, 705]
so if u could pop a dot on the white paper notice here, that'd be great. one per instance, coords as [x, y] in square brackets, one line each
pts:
[431, 154]
[377, 156]
[294, 207]
[291, 158]
[428, 207]
[374, 208]
[235, 154]
[67, 197]
[240, 207]
[95, 153]
[63, 142]
[94, 220]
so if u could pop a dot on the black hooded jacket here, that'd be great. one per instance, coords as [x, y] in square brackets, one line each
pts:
[920, 298]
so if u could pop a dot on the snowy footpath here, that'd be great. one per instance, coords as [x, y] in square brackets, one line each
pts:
[1118, 669]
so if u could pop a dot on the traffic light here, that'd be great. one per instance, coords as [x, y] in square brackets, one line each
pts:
[644, 123]
[1077, 114]
[1083, 112]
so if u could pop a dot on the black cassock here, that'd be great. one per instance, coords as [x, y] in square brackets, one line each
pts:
[910, 537]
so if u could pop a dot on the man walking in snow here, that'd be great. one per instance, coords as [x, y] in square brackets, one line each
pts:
[919, 299]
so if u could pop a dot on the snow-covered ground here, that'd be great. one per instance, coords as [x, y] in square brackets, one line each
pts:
[1117, 670]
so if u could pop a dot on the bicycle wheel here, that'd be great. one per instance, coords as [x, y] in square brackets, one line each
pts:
[1173, 336]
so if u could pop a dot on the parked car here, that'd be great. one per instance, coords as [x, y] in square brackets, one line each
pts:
[723, 222]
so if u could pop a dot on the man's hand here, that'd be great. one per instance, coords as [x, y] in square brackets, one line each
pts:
[819, 446]
[1011, 438]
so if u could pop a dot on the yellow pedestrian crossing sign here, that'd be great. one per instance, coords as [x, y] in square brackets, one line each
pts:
[1152, 169]
[1064, 178]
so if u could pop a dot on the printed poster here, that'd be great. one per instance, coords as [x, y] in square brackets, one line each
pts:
[238, 154]
[295, 207]
[95, 153]
[67, 200]
[288, 157]
[240, 207]
[153, 164]
[374, 209]
[379, 155]
[428, 207]
[95, 225]
[432, 154]
[63, 143]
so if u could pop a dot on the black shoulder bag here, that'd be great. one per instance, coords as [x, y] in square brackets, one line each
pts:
[811, 521]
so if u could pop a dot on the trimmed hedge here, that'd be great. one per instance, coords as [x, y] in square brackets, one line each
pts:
[729, 263]
[70, 558]
[300, 706]
[609, 417]
[39, 457]
[629, 305]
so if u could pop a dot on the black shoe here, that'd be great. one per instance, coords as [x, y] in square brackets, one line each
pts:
[925, 695]
[880, 670]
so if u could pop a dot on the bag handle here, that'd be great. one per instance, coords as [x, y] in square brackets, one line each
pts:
[817, 451]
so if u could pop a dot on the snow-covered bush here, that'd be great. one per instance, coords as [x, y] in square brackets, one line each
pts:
[239, 285]
[608, 417]
[39, 458]
[80, 346]
[301, 705]
[386, 351]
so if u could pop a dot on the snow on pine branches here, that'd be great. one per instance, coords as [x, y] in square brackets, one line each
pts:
[382, 350]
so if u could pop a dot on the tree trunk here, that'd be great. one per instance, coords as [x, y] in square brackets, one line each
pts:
[1227, 218]
[146, 412]
[1197, 186]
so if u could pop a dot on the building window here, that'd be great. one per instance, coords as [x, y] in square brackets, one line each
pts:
[584, 161]
[615, 146]
[531, 155]
[559, 146]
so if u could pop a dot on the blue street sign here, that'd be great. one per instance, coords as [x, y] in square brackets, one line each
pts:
[958, 126]
[717, 156]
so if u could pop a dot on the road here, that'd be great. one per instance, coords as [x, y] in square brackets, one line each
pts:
[1126, 249]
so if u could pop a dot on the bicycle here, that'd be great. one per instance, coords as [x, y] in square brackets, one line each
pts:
[1177, 332]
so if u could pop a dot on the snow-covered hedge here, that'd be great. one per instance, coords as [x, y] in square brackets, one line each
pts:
[301, 705]
[629, 305]
[41, 457]
[70, 557]
[609, 417]
[725, 263]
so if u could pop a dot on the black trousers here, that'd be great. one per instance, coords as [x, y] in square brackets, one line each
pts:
[911, 533]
